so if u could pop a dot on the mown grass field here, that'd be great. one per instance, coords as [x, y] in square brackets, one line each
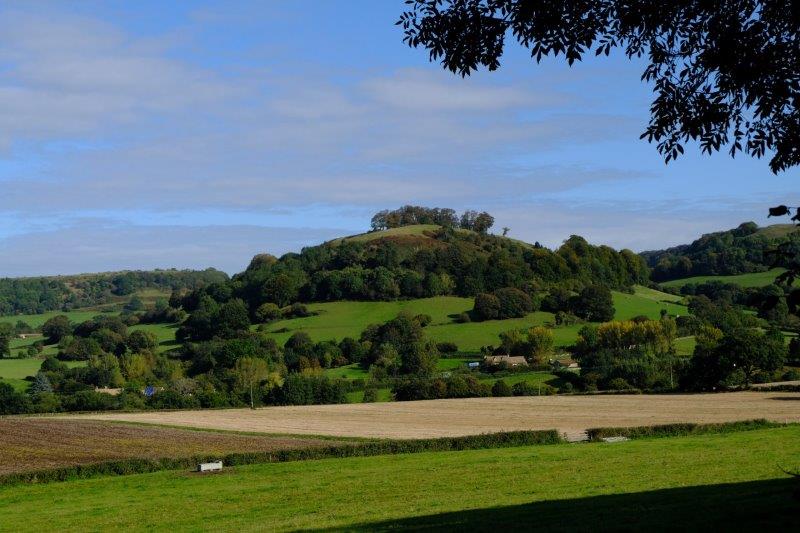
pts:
[755, 279]
[337, 320]
[721, 481]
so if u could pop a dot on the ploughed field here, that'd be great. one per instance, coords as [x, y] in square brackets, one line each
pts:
[40, 443]
[441, 418]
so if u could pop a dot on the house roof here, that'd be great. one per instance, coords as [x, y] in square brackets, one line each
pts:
[510, 359]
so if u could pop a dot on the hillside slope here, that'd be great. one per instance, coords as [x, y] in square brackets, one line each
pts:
[741, 250]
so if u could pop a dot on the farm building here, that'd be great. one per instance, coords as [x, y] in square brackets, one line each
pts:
[566, 364]
[509, 360]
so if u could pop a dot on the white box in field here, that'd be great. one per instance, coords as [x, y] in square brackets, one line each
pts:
[210, 467]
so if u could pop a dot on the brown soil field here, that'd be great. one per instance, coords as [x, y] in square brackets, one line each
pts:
[28, 444]
[440, 418]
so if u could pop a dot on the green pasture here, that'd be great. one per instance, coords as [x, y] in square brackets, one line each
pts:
[36, 321]
[532, 378]
[337, 320]
[755, 279]
[729, 481]
[417, 229]
[384, 395]
[165, 333]
[14, 371]
[350, 372]
[685, 345]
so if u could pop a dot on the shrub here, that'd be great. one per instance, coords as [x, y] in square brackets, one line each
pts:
[13, 402]
[487, 306]
[524, 388]
[370, 395]
[296, 310]
[423, 319]
[501, 389]
[447, 347]
[513, 303]
[88, 400]
[675, 430]
[594, 303]
[463, 318]
[619, 384]
[267, 312]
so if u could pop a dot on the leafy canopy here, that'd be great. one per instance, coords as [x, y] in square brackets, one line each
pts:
[724, 73]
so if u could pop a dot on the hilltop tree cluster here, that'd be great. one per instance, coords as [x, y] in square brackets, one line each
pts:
[410, 215]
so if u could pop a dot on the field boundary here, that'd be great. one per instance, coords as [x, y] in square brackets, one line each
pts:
[365, 449]
[681, 429]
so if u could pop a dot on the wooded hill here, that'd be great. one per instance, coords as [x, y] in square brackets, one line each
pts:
[429, 260]
[740, 250]
[61, 293]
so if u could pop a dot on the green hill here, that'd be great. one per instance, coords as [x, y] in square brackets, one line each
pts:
[741, 250]
[336, 320]
[754, 279]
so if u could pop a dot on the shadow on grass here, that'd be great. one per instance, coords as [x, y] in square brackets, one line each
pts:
[768, 505]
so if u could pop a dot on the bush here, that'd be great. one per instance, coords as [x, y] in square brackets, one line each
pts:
[791, 375]
[513, 303]
[594, 303]
[296, 310]
[267, 312]
[447, 347]
[487, 306]
[619, 384]
[370, 395]
[523, 388]
[170, 399]
[89, 400]
[501, 389]
[13, 402]
[463, 318]
[680, 429]
[423, 319]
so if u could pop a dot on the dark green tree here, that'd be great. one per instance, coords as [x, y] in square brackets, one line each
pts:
[56, 328]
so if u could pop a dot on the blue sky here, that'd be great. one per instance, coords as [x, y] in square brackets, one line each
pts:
[194, 134]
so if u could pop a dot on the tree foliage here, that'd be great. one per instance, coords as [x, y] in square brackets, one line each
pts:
[724, 74]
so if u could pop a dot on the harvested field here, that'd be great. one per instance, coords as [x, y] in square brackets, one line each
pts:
[40, 443]
[441, 418]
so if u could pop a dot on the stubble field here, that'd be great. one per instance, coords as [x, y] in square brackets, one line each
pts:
[443, 418]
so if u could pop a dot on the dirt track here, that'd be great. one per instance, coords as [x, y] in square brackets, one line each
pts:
[438, 418]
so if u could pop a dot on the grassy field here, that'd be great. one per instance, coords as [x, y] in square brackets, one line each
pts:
[14, 371]
[722, 481]
[532, 378]
[415, 230]
[337, 320]
[685, 345]
[36, 321]
[755, 279]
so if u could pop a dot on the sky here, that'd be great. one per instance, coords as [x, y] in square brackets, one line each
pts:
[139, 135]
